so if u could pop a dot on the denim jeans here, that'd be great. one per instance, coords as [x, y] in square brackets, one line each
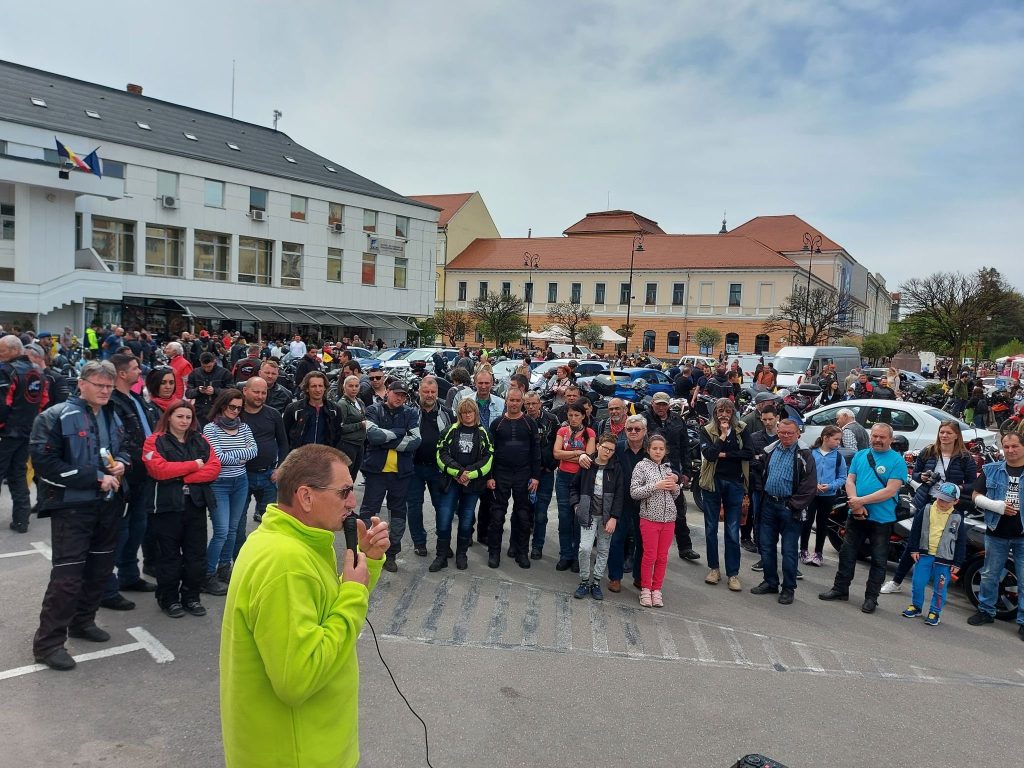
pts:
[265, 491]
[457, 499]
[856, 532]
[938, 574]
[588, 537]
[545, 490]
[426, 476]
[131, 530]
[617, 552]
[996, 553]
[568, 531]
[777, 520]
[730, 493]
[232, 494]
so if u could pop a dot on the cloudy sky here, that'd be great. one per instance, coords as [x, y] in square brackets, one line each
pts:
[894, 127]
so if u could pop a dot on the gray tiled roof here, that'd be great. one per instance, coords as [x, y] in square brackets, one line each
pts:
[262, 149]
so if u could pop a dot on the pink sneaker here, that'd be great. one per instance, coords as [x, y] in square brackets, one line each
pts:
[656, 599]
[645, 598]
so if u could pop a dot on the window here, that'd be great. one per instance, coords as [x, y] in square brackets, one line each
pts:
[732, 343]
[599, 293]
[651, 295]
[483, 289]
[735, 293]
[402, 226]
[678, 294]
[828, 416]
[166, 184]
[462, 290]
[506, 289]
[113, 169]
[37, 101]
[7, 274]
[93, 114]
[143, 126]
[479, 335]
[331, 169]
[213, 192]
[369, 221]
[6, 221]
[233, 146]
[528, 293]
[673, 342]
[649, 339]
[211, 253]
[552, 293]
[575, 293]
[335, 213]
[334, 262]
[190, 136]
[114, 241]
[291, 265]
[255, 260]
[164, 246]
[761, 343]
[369, 269]
[624, 293]
[401, 271]
[900, 421]
[257, 199]
[78, 231]
[298, 208]
[290, 159]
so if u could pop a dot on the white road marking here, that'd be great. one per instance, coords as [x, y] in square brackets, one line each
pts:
[668, 643]
[773, 654]
[922, 673]
[156, 649]
[880, 665]
[808, 657]
[735, 647]
[699, 643]
[44, 549]
[19, 554]
[144, 641]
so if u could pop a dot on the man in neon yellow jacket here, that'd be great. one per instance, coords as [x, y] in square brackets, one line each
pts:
[289, 676]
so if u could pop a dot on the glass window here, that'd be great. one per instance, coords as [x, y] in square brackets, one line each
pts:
[164, 246]
[651, 297]
[761, 343]
[732, 343]
[369, 269]
[735, 293]
[552, 293]
[673, 342]
[334, 262]
[649, 339]
[213, 193]
[291, 264]
[599, 293]
[678, 294]
[335, 213]
[623, 293]
[212, 254]
[257, 199]
[528, 293]
[462, 290]
[401, 271]
[369, 221]
[506, 289]
[113, 169]
[576, 293]
[114, 241]
[166, 184]
[479, 335]
[7, 274]
[402, 226]
[254, 260]
[483, 289]
[298, 208]
[900, 421]
[6, 221]
[828, 416]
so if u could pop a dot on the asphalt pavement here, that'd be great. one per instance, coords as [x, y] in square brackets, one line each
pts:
[508, 669]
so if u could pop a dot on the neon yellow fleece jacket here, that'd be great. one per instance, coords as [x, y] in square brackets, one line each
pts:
[289, 677]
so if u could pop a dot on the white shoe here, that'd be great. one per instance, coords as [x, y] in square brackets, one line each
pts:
[891, 588]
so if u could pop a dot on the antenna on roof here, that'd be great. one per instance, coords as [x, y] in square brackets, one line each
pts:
[609, 201]
[723, 230]
[529, 233]
[232, 88]
[278, 114]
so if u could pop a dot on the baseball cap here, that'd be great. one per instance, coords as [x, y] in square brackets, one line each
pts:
[947, 492]
[204, 334]
[33, 347]
[397, 386]
[44, 335]
[660, 397]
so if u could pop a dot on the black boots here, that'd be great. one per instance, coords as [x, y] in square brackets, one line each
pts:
[441, 561]
[461, 548]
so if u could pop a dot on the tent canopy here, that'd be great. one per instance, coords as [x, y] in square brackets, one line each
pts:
[607, 334]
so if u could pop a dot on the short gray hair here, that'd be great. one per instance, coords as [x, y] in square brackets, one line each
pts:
[636, 418]
[350, 378]
[845, 412]
[883, 425]
[12, 343]
[175, 346]
[103, 369]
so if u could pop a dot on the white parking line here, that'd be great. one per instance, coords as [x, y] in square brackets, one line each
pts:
[144, 641]
[44, 549]
[19, 554]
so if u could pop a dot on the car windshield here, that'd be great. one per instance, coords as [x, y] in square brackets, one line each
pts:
[935, 413]
[791, 364]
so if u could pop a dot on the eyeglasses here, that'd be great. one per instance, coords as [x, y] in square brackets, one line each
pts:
[376, 378]
[235, 408]
[343, 493]
[103, 387]
[634, 429]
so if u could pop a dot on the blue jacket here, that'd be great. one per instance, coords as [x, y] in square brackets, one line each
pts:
[396, 429]
[952, 549]
[831, 470]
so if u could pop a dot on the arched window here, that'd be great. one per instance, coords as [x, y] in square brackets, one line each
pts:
[649, 338]
[761, 343]
[673, 342]
[732, 343]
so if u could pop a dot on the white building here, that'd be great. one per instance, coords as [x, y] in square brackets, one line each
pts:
[199, 221]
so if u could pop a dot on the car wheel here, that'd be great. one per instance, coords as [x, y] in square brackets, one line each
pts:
[1006, 600]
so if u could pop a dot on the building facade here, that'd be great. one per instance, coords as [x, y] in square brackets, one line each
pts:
[199, 221]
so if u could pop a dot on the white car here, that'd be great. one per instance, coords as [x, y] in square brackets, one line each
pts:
[423, 353]
[914, 421]
[584, 368]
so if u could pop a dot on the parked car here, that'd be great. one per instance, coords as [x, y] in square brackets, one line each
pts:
[625, 384]
[359, 353]
[692, 360]
[422, 353]
[917, 422]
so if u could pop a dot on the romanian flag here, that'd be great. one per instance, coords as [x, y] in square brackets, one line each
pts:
[90, 164]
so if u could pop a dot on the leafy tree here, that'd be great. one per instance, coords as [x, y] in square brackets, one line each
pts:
[1010, 348]
[499, 316]
[570, 316]
[879, 345]
[707, 338]
[811, 318]
[851, 341]
[590, 334]
[451, 324]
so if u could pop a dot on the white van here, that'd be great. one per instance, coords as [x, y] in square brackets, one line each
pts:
[570, 351]
[802, 365]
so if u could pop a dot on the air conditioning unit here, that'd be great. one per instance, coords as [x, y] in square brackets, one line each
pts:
[259, 215]
[337, 227]
[168, 201]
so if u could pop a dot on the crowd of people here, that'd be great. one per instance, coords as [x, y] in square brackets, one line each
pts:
[136, 462]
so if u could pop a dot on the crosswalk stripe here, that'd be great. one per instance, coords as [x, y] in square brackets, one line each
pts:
[380, 592]
[563, 623]
[531, 619]
[437, 607]
[460, 632]
[401, 613]
[774, 657]
[699, 643]
[808, 657]
[735, 647]
[665, 639]
[883, 670]
[844, 664]
[634, 642]
[598, 628]
[499, 616]
[922, 673]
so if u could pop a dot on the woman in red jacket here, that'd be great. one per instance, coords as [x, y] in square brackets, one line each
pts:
[183, 463]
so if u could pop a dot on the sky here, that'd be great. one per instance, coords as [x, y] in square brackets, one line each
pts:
[894, 128]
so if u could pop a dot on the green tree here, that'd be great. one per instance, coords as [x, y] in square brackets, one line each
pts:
[569, 316]
[707, 338]
[1010, 348]
[879, 345]
[851, 341]
[590, 334]
[499, 316]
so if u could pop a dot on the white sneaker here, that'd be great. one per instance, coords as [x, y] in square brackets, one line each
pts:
[891, 588]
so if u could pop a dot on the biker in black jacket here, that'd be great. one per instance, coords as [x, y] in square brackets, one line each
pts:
[24, 392]
[208, 376]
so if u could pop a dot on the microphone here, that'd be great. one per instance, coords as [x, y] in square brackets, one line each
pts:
[351, 537]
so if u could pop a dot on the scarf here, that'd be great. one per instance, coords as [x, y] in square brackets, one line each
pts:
[225, 423]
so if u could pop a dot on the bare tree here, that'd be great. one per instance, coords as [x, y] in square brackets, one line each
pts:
[811, 318]
[949, 311]
[499, 316]
[570, 316]
[450, 323]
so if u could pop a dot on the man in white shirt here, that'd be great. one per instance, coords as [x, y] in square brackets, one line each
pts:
[297, 347]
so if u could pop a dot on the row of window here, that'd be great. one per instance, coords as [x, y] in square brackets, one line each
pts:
[6, 221]
[114, 241]
[732, 343]
[576, 293]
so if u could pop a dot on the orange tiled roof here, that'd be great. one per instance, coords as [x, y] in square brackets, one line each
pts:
[449, 204]
[783, 233]
[611, 252]
[614, 222]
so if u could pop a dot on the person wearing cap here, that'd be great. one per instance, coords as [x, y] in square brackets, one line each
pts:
[938, 546]
[661, 421]
[392, 437]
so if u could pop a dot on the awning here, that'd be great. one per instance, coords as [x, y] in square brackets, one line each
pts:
[295, 316]
[607, 334]
[323, 318]
[349, 320]
[200, 309]
[266, 314]
[233, 311]
[404, 323]
[376, 321]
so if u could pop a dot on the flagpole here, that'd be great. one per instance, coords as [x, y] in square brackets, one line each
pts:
[232, 88]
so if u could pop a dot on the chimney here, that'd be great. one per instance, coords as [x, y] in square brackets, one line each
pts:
[133, 88]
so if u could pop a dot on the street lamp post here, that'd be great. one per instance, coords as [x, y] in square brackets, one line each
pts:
[531, 261]
[638, 247]
[812, 245]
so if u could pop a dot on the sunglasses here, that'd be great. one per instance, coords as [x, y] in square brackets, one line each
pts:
[376, 378]
[634, 429]
[235, 408]
[343, 493]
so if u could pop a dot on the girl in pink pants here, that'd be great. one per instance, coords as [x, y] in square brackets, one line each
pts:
[656, 487]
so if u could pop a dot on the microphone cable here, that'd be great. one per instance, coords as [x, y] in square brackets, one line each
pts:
[426, 740]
